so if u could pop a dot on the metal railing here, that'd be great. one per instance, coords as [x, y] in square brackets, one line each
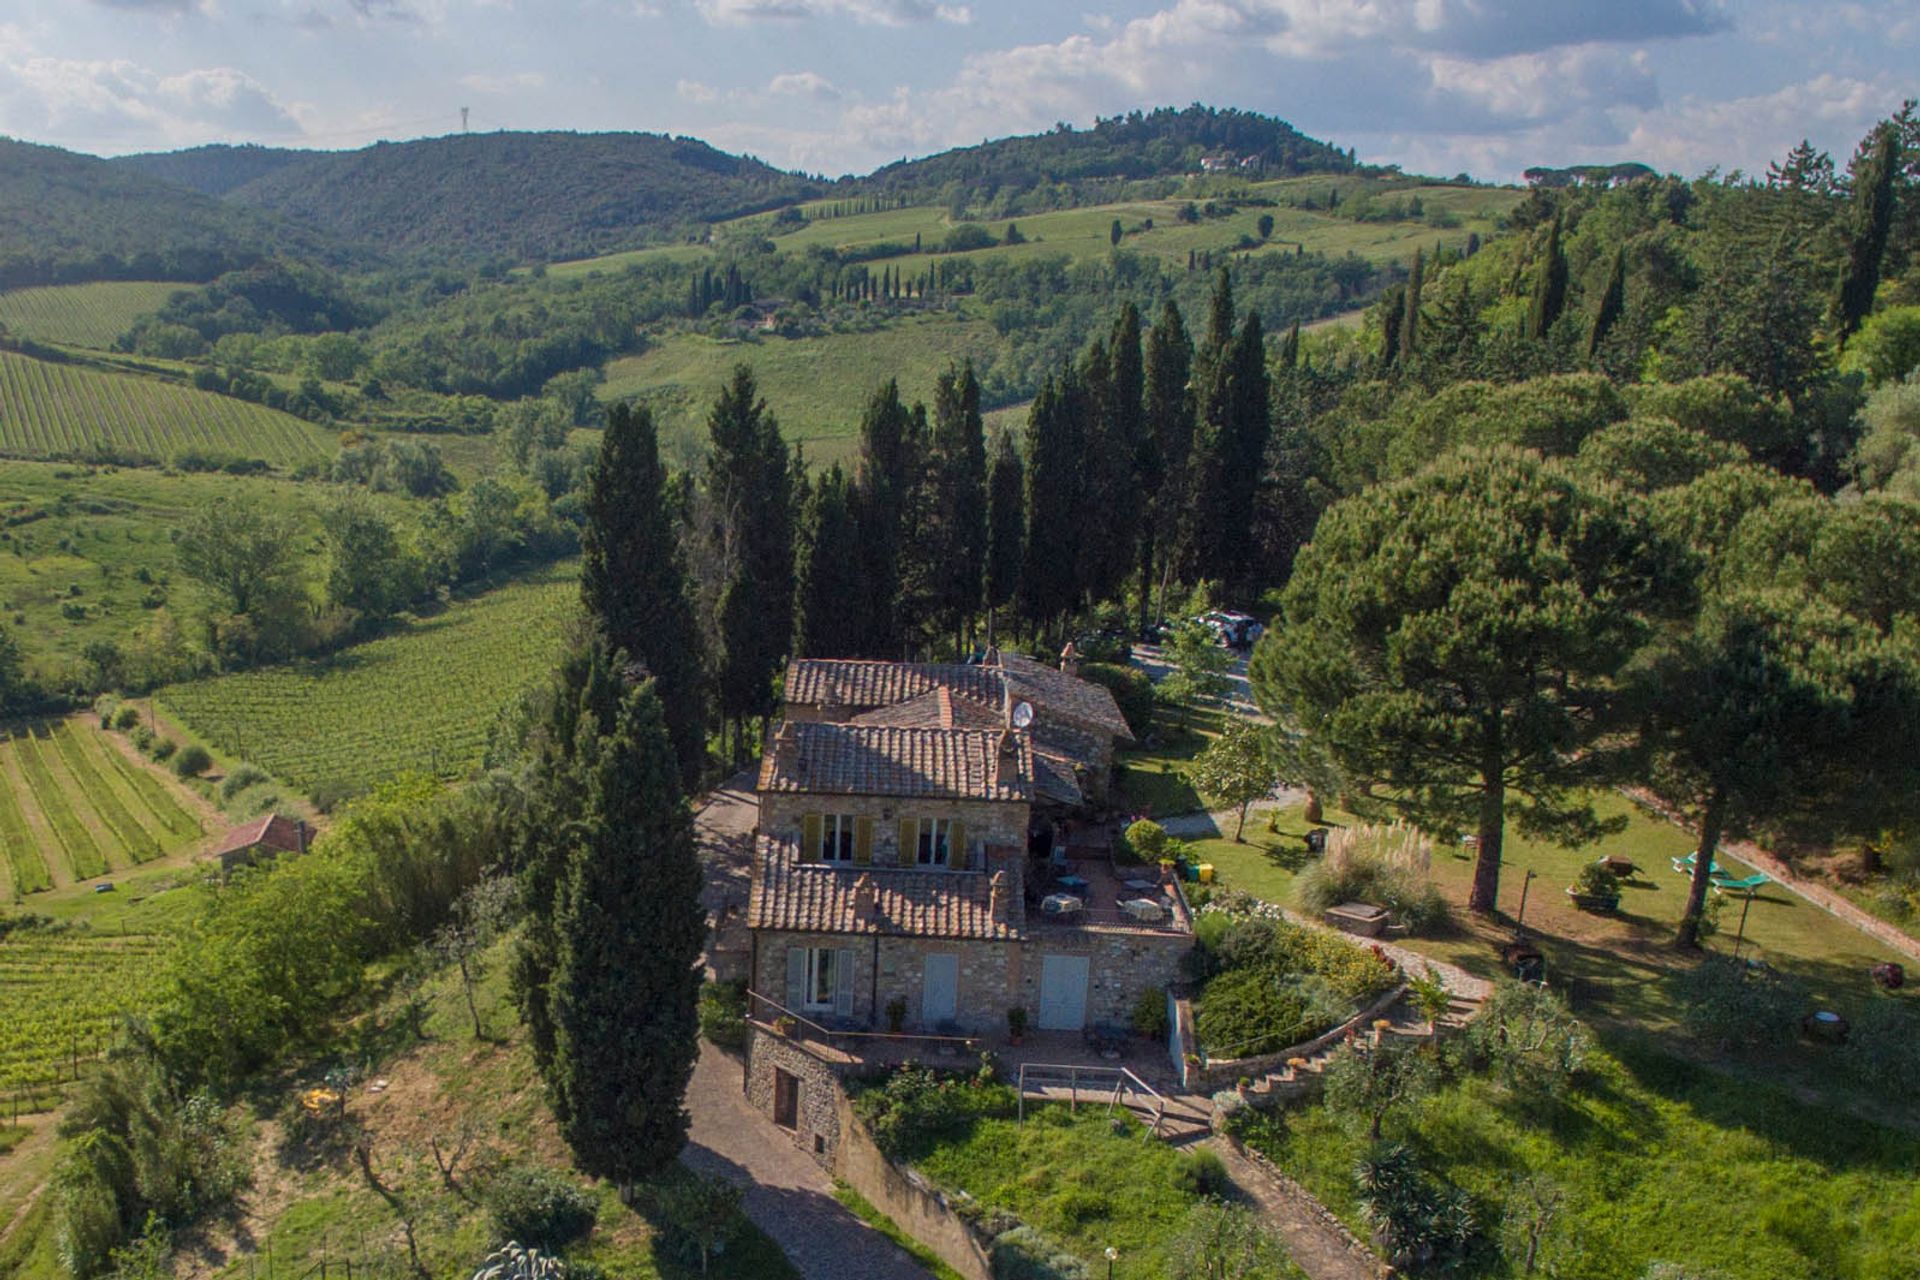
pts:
[1039, 1076]
[758, 1007]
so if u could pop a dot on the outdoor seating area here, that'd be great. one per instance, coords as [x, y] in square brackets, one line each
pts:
[1724, 881]
[1093, 891]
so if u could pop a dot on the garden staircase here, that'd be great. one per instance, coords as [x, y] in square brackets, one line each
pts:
[1177, 1120]
[1402, 1023]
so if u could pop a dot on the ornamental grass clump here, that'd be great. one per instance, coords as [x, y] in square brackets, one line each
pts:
[1388, 866]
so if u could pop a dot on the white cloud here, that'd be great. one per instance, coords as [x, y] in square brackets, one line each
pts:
[884, 13]
[803, 84]
[694, 91]
[504, 82]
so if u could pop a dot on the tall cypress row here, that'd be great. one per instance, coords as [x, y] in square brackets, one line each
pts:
[1549, 286]
[1006, 529]
[633, 578]
[1410, 314]
[827, 582]
[1870, 218]
[882, 485]
[1165, 480]
[1612, 303]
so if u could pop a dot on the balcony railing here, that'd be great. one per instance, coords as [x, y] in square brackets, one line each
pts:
[771, 1014]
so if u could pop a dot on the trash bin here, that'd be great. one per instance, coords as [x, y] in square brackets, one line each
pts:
[1206, 873]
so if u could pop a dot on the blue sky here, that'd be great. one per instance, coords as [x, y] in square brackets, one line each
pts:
[835, 86]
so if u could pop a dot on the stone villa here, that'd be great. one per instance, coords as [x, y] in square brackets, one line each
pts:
[927, 859]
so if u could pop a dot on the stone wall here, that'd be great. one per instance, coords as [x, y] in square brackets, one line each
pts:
[818, 1129]
[916, 1206]
[987, 822]
[1221, 1073]
[1121, 964]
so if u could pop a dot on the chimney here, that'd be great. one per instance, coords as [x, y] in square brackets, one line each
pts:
[786, 747]
[866, 904]
[998, 892]
[1006, 760]
[1070, 660]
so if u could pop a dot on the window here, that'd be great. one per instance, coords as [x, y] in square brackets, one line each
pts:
[836, 837]
[823, 977]
[936, 836]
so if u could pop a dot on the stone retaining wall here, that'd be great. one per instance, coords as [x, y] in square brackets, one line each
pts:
[917, 1206]
[1223, 1073]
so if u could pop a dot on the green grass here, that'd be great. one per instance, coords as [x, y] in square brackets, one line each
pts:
[421, 700]
[1080, 1179]
[816, 387]
[82, 315]
[50, 410]
[864, 1209]
[75, 808]
[1659, 1161]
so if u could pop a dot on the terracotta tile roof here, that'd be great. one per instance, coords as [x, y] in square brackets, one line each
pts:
[1054, 692]
[940, 709]
[818, 897]
[861, 685]
[1054, 779]
[273, 831]
[888, 760]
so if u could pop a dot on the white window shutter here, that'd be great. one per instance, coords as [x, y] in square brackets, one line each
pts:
[796, 977]
[843, 983]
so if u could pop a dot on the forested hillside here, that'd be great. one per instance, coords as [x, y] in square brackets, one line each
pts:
[67, 217]
[532, 197]
[214, 169]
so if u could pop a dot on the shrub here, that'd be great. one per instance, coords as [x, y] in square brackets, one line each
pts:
[1528, 1037]
[1250, 1011]
[1080, 1206]
[1418, 1221]
[1731, 1006]
[242, 777]
[331, 793]
[1149, 1017]
[1201, 1173]
[1146, 840]
[1386, 866]
[1596, 881]
[192, 761]
[163, 748]
[1024, 1254]
[1131, 689]
[723, 1014]
[126, 718]
[914, 1106]
[538, 1207]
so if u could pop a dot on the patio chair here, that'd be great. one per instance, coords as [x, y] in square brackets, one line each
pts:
[1747, 886]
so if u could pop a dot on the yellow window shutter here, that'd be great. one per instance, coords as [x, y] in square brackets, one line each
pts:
[957, 845]
[809, 837]
[909, 837]
[863, 840]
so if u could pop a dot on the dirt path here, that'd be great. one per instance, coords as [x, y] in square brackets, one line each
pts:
[1323, 1247]
[788, 1196]
[24, 1170]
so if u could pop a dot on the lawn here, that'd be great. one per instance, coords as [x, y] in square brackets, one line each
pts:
[816, 387]
[423, 699]
[1659, 1161]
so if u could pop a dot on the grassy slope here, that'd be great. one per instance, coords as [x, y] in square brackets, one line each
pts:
[58, 410]
[96, 529]
[422, 699]
[815, 386]
[82, 315]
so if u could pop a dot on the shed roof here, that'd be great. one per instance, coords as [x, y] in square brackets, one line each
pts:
[273, 830]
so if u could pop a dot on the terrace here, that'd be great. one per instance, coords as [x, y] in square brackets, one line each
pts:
[1086, 889]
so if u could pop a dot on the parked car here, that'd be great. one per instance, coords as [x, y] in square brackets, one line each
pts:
[1234, 630]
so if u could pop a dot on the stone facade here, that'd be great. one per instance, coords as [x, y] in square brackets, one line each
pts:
[993, 976]
[817, 1127]
[987, 822]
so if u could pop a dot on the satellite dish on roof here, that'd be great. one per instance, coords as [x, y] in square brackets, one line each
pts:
[1022, 714]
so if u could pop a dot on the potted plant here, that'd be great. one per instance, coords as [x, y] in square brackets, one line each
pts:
[1595, 889]
[1016, 1024]
[786, 1024]
[1243, 1084]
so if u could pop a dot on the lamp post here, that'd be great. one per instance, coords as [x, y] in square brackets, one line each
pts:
[1113, 1256]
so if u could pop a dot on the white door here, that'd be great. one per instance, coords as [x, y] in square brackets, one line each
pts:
[1063, 993]
[939, 988]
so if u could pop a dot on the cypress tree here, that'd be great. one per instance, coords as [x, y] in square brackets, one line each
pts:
[1612, 302]
[1168, 429]
[1006, 528]
[1219, 319]
[628, 928]
[1229, 455]
[1055, 456]
[1393, 319]
[1410, 315]
[883, 480]
[1870, 216]
[828, 591]
[957, 482]
[1290, 348]
[1092, 486]
[749, 481]
[1549, 286]
[1114, 233]
[633, 578]
[1120, 456]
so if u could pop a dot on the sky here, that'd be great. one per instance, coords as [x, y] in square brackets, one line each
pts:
[1486, 87]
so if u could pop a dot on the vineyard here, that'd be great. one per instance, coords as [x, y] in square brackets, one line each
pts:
[423, 700]
[82, 315]
[63, 991]
[73, 807]
[50, 410]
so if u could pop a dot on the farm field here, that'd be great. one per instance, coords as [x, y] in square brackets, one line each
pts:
[816, 387]
[82, 315]
[65, 991]
[421, 700]
[86, 552]
[73, 808]
[50, 410]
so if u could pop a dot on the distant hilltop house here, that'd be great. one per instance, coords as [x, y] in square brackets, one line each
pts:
[927, 859]
[262, 838]
[1229, 163]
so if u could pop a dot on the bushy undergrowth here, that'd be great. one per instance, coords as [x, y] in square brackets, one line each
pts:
[1268, 983]
[916, 1107]
[539, 1207]
[1387, 866]
[1727, 1004]
[723, 1014]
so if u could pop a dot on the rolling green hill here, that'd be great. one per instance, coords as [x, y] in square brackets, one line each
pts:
[82, 315]
[50, 410]
[214, 169]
